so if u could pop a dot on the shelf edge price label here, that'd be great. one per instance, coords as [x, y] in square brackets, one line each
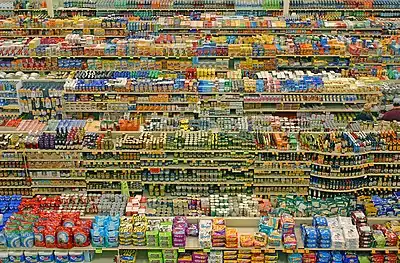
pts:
[99, 250]
[181, 250]
[207, 250]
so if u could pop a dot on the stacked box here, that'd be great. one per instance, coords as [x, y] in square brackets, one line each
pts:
[218, 235]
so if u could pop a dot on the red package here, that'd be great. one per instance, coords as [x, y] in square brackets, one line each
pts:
[84, 223]
[69, 220]
[64, 237]
[39, 237]
[50, 237]
[81, 236]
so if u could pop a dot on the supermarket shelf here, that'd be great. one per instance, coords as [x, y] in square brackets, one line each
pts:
[354, 177]
[191, 159]
[130, 92]
[15, 187]
[128, 102]
[202, 57]
[224, 93]
[12, 169]
[281, 185]
[345, 9]
[111, 161]
[277, 169]
[363, 165]
[144, 151]
[304, 102]
[279, 176]
[55, 169]
[14, 178]
[113, 180]
[356, 189]
[57, 36]
[112, 190]
[132, 111]
[59, 28]
[109, 169]
[53, 160]
[88, 248]
[303, 110]
[57, 186]
[110, 9]
[272, 28]
[196, 182]
[193, 245]
[190, 167]
[59, 178]
[56, 192]
[278, 193]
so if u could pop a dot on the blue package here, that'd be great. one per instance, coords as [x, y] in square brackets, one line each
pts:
[46, 256]
[61, 257]
[100, 220]
[13, 239]
[31, 257]
[27, 238]
[112, 225]
[16, 256]
[111, 239]
[76, 256]
[97, 237]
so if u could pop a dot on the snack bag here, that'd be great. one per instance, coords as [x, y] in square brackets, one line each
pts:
[111, 239]
[39, 238]
[97, 237]
[81, 236]
[64, 237]
[27, 238]
[50, 237]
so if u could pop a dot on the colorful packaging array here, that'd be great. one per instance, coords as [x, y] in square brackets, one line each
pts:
[47, 256]
[105, 231]
[48, 230]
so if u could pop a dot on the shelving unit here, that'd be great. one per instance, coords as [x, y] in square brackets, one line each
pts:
[199, 108]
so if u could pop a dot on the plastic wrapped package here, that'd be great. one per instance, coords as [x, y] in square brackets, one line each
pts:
[338, 241]
[232, 239]
[319, 221]
[324, 237]
[215, 257]
[287, 224]
[365, 233]
[295, 258]
[205, 228]
[324, 257]
[246, 240]
[351, 237]
[379, 238]
[274, 238]
[309, 236]
[289, 241]
[260, 239]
